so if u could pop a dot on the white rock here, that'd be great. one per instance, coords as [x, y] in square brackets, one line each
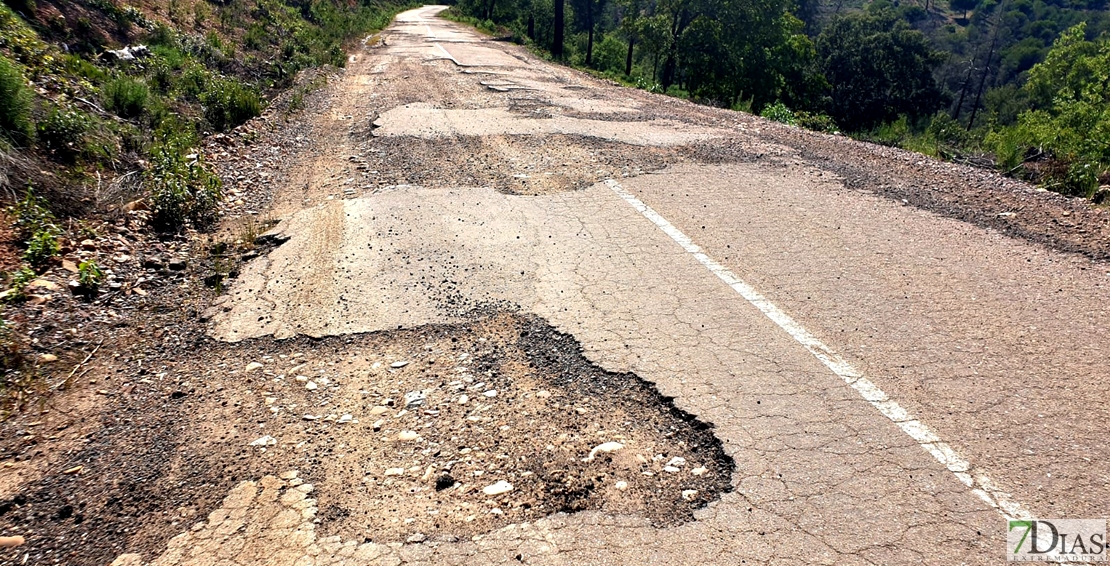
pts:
[677, 462]
[490, 393]
[264, 441]
[689, 494]
[698, 471]
[301, 378]
[604, 447]
[498, 488]
[311, 386]
[395, 472]
[398, 365]
[463, 399]
[311, 417]
[671, 469]
[345, 419]
[407, 435]
[621, 485]
[543, 394]
[253, 366]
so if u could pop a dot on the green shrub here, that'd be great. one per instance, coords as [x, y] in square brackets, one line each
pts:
[126, 97]
[43, 245]
[15, 104]
[19, 279]
[228, 103]
[816, 122]
[30, 214]
[63, 132]
[182, 188]
[780, 113]
[89, 275]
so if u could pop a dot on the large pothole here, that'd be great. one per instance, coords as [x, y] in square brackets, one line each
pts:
[453, 430]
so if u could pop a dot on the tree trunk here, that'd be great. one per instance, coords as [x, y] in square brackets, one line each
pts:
[557, 44]
[628, 58]
[531, 27]
[590, 34]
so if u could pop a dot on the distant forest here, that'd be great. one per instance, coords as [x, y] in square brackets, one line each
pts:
[1021, 85]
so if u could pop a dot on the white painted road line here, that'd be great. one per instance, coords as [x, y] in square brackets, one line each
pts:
[980, 484]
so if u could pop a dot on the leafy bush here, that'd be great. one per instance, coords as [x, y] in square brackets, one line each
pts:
[126, 97]
[31, 214]
[19, 279]
[816, 122]
[228, 103]
[779, 113]
[89, 275]
[182, 188]
[15, 104]
[63, 132]
[43, 245]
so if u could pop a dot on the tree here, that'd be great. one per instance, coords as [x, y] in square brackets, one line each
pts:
[878, 69]
[963, 6]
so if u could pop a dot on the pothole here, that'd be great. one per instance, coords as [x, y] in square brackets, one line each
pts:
[454, 430]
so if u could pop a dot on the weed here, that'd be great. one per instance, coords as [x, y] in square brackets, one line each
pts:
[89, 275]
[780, 113]
[126, 97]
[43, 245]
[228, 103]
[15, 104]
[19, 279]
[31, 214]
[182, 188]
[63, 132]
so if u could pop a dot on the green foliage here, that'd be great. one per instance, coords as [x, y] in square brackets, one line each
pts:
[64, 132]
[19, 280]
[878, 68]
[43, 245]
[126, 97]
[89, 275]
[779, 113]
[183, 189]
[1071, 124]
[816, 121]
[15, 104]
[30, 214]
[228, 103]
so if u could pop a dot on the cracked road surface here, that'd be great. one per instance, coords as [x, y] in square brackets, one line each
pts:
[891, 384]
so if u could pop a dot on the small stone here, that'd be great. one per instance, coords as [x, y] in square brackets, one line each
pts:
[698, 471]
[395, 472]
[671, 469]
[74, 470]
[398, 365]
[253, 366]
[178, 264]
[444, 481]
[689, 494]
[463, 399]
[498, 488]
[491, 393]
[264, 441]
[416, 538]
[414, 399]
[378, 424]
[70, 266]
[603, 447]
[677, 462]
[12, 542]
[406, 435]
[89, 245]
[621, 485]
[543, 394]
[379, 410]
[48, 358]
[301, 378]
[345, 419]
[311, 417]
[311, 386]
[290, 475]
